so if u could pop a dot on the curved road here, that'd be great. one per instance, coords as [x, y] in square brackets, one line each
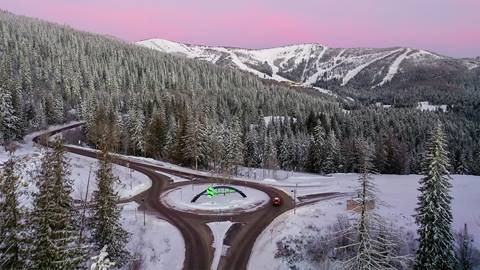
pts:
[197, 236]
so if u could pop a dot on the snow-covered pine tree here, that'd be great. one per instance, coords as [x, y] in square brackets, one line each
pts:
[434, 214]
[332, 154]
[464, 251]
[102, 262]
[156, 134]
[8, 119]
[55, 241]
[317, 149]
[270, 160]
[195, 142]
[12, 241]
[214, 144]
[233, 147]
[138, 130]
[285, 153]
[105, 218]
[252, 157]
[371, 242]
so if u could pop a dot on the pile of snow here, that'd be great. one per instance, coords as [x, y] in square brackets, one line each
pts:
[219, 231]
[397, 202]
[160, 244]
[426, 106]
[221, 204]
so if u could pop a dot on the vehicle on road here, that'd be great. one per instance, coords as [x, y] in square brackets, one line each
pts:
[276, 201]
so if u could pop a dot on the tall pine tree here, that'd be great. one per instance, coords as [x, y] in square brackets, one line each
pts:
[434, 214]
[12, 244]
[55, 236]
[105, 218]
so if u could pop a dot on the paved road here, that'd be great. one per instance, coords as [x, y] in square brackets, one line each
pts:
[198, 237]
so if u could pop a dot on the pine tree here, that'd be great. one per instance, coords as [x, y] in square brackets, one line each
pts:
[252, 156]
[434, 215]
[317, 150]
[105, 219]
[464, 250]
[285, 154]
[232, 153]
[156, 135]
[8, 119]
[12, 242]
[270, 160]
[137, 130]
[332, 154]
[55, 236]
[214, 144]
[195, 142]
[373, 249]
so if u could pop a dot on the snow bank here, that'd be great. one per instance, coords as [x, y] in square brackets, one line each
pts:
[160, 244]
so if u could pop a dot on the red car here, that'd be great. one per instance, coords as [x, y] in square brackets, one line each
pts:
[276, 201]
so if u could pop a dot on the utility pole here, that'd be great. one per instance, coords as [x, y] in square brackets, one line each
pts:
[295, 198]
[85, 205]
[144, 209]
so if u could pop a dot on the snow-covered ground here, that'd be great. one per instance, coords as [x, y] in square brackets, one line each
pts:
[221, 204]
[398, 198]
[131, 182]
[219, 231]
[159, 243]
[30, 155]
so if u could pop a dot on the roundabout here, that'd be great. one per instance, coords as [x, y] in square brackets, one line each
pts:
[213, 199]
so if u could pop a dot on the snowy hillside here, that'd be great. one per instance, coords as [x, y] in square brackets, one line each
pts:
[315, 64]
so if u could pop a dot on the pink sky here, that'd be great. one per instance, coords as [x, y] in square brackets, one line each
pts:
[450, 27]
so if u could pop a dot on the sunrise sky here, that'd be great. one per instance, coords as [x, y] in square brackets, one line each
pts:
[450, 27]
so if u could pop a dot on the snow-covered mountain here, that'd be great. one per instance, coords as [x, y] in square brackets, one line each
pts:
[318, 65]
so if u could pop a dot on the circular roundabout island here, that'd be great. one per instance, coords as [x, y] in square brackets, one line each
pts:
[214, 199]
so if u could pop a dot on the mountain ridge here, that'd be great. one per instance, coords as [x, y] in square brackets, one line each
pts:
[316, 65]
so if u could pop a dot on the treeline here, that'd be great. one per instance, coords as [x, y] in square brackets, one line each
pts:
[321, 142]
[200, 115]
